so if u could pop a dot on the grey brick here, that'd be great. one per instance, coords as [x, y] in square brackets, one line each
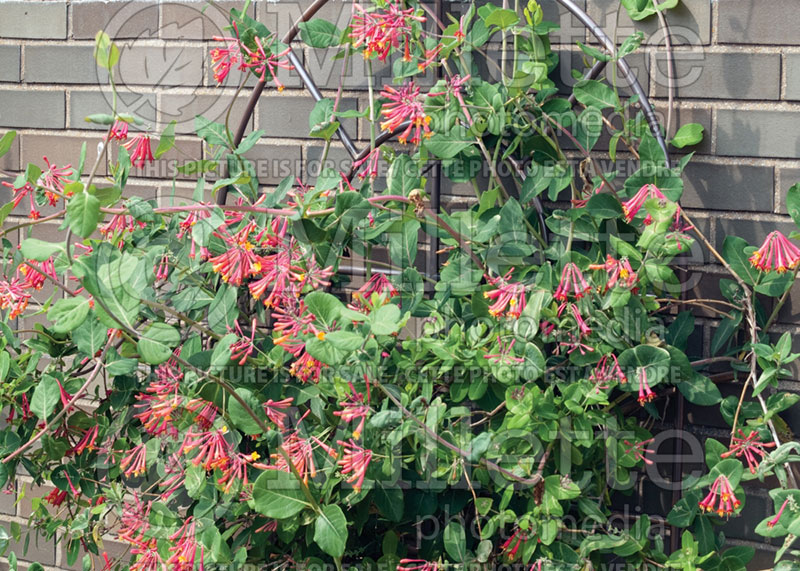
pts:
[689, 22]
[728, 187]
[787, 177]
[9, 63]
[721, 76]
[273, 163]
[287, 115]
[120, 20]
[280, 16]
[758, 133]
[60, 150]
[8, 500]
[337, 159]
[56, 63]
[161, 66]
[33, 20]
[184, 108]
[792, 76]
[758, 22]
[83, 103]
[32, 109]
[10, 161]
[196, 20]
[754, 231]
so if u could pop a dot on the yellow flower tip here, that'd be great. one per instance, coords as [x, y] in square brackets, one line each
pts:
[255, 456]
[356, 434]
[224, 429]
[512, 302]
[256, 268]
[402, 140]
[427, 120]
[281, 88]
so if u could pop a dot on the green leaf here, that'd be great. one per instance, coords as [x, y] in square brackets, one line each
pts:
[241, 417]
[641, 9]
[222, 352]
[447, 146]
[700, 390]
[687, 135]
[68, 313]
[45, 397]
[655, 361]
[344, 340]
[324, 306]
[604, 206]
[403, 176]
[221, 312]
[106, 53]
[277, 494]
[167, 139]
[249, 142]
[90, 336]
[403, 244]
[455, 541]
[157, 342]
[733, 250]
[319, 33]
[793, 202]
[330, 530]
[385, 320]
[594, 52]
[211, 132]
[39, 250]
[6, 142]
[593, 93]
[502, 18]
[83, 214]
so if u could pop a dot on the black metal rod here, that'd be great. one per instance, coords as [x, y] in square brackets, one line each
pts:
[627, 73]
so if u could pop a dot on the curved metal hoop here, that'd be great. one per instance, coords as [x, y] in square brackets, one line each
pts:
[347, 141]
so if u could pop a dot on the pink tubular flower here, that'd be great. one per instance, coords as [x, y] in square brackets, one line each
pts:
[260, 61]
[273, 411]
[139, 148]
[184, 548]
[504, 356]
[607, 369]
[134, 464]
[776, 253]
[205, 412]
[371, 162]
[645, 393]
[162, 269]
[35, 273]
[429, 58]
[243, 347]
[213, 450]
[224, 58]
[721, 495]
[632, 206]
[748, 446]
[377, 284]
[54, 179]
[301, 454]
[506, 295]
[619, 272]
[572, 283]
[14, 297]
[417, 565]
[119, 130]
[87, 442]
[404, 105]
[354, 408]
[354, 462]
[20, 193]
[511, 546]
[239, 262]
[638, 450]
[583, 327]
[118, 225]
[382, 30]
[774, 521]
[56, 497]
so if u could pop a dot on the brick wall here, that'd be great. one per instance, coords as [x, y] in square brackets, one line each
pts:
[738, 68]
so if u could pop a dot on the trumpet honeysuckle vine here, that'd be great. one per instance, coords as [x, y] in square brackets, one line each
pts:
[212, 385]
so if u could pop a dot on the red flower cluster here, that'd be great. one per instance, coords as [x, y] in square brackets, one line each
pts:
[381, 30]
[721, 496]
[750, 447]
[260, 59]
[776, 253]
[405, 106]
[508, 297]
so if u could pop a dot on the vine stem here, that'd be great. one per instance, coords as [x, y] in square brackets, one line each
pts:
[753, 335]
[58, 214]
[532, 481]
[48, 424]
